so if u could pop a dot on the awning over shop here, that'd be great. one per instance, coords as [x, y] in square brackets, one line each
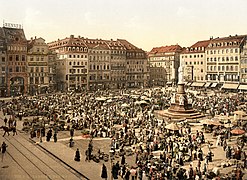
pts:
[197, 84]
[230, 86]
[242, 87]
[214, 85]
[207, 84]
[188, 83]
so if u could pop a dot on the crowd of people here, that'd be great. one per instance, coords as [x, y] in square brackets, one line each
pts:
[127, 117]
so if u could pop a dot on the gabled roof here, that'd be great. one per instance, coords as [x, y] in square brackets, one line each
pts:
[166, 49]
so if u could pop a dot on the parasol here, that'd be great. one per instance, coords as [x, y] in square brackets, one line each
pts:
[172, 126]
[240, 113]
[237, 131]
[211, 122]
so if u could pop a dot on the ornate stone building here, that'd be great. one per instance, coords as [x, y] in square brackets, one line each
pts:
[137, 74]
[72, 63]
[164, 62]
[223, 59]
[194, 61]
[39, 71]
[118, 64]
[3, 64]
[99, 64]
[16, 76]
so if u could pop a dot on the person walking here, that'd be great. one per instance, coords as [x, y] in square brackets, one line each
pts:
[104, 172]
[3, 149]
[55, 137]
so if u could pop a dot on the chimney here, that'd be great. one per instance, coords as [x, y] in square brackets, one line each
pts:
[79, 36]
[71, 36]
[35, 37]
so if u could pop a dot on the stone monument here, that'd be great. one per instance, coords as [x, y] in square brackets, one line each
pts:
[180, 106]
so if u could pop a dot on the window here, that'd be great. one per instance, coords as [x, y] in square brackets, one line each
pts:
[236, 50]
[42, 58]
[10, 69]
[42, 69]
[3, 59]
[236, 58]
[17, 57]
[17, 69]
[23, 58]
[70, 63]
[23, 69]
[31, 58]
[3, 68]
[37, 69]
[37, 49]
[31, 70]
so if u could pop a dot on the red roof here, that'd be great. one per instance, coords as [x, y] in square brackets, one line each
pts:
[166, 49]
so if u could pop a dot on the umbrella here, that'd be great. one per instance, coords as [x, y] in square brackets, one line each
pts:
[237, 131]
[211, 122]
[101, 99]
[141, 102]
[240, 113]
[125, 105]
[172, 126]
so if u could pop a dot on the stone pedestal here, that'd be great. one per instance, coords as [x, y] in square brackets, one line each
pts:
[180, 108]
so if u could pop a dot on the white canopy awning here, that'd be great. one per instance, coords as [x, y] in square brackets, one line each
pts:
[230, 86]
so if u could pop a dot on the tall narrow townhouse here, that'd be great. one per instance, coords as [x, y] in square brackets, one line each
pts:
[71, 63]
[37, 66]
[194, 60]
[164, 62]
[16, 60]
[136, 66]
[223, 59]
[99, 64]
[118, 64]
[243, 63]
[3, 65]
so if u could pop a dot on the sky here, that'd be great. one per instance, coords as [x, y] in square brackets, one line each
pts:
[144, 23]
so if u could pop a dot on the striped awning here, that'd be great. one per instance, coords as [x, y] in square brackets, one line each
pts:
[214, 85]
[230, 86]
[207, 84]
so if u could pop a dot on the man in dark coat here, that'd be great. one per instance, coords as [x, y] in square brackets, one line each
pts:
[3, 149]
[77, 155]
[123, 160]
[114, 171]
[104, 172]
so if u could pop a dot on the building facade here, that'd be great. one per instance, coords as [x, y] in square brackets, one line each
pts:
[164, 62]
[3, 59]
[194, 61]
[71, 63]
[38, 66]
[223, 59]
[99, 64]
[16, 75]
[243, 63]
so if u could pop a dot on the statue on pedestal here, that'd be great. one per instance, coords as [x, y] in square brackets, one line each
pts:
[173, 99]
[181, 73]
[181, 100]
